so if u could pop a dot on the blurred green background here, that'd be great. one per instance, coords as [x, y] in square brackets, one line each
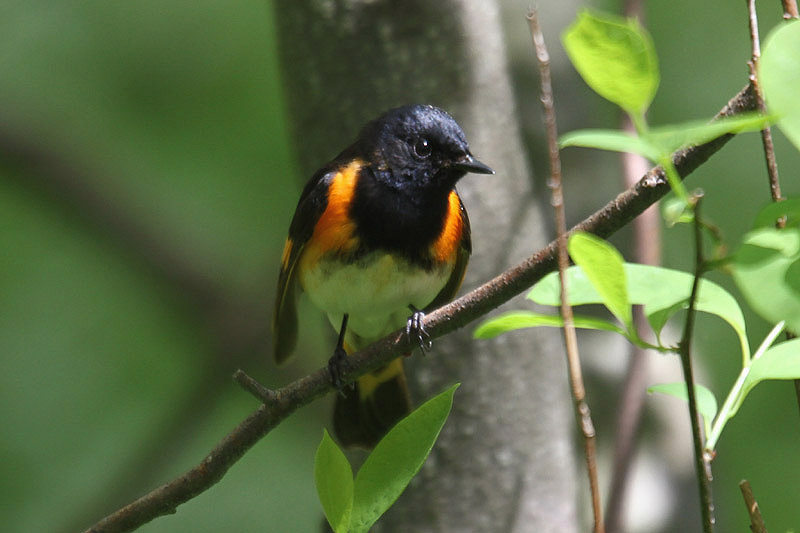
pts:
[167, 117]
[146, 184]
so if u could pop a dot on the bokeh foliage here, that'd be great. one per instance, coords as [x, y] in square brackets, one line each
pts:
[112, 379]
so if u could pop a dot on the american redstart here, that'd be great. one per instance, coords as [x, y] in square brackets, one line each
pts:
[379, 237]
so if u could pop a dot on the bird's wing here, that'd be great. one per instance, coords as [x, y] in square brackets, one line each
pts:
[310, 207]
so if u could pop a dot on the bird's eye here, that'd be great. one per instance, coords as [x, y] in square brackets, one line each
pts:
[422, 148]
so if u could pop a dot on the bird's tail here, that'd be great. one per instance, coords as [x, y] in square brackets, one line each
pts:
[380, 399]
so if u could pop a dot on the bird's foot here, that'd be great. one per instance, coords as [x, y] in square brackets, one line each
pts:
[416, 331]
[335, 369]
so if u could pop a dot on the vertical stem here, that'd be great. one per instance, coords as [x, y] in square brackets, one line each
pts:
[582, 411]
[766, 133]
[702, 465]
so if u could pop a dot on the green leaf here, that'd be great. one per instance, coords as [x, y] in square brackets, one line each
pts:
[781, 361]
[334, 480]
[766, 270]
[603, 266]
[514, 320]
[613, 140]
[661, 142]
[615, 57]
[771, 213]
[676, 211]
[396, 459]
[706, 402]
[664, 291]
[779, 76]
[661, 291]
[668, 139]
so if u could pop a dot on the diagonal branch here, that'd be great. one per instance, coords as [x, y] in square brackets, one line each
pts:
[615, 215]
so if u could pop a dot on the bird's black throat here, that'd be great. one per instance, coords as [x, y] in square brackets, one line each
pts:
[405, 217]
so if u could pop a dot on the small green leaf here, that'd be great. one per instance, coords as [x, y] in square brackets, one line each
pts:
[664, 291]
[668, 139]
[396, 459]
[781, 361]
[612, 140]
[779, 76]
[615, 57]
[334, 480]
[661, 291]
[514, 320]
[766, 270]
[603, 266]
[659, 143]
[706, 402]
[771, 213]
[676, 211]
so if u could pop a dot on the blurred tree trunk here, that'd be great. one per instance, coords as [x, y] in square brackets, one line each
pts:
[504, 461]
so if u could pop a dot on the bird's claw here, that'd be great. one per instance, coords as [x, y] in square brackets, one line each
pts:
[416, 331]
[335, 370]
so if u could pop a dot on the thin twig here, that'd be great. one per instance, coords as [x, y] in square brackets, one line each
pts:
[756, 522]
[633, 9]
[615, 215]
[702, 465]
[252, 386]
[790, 10]
[766, 133]
[582, 412]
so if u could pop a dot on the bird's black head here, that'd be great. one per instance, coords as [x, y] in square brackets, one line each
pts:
[414, 156]
[418, 147]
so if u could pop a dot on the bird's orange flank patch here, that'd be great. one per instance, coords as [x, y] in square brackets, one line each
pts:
[448, 242]
[335, 230]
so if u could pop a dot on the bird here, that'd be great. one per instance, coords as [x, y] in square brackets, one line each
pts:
[379, 237]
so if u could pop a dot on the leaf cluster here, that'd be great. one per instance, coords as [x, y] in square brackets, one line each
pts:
[354, 505]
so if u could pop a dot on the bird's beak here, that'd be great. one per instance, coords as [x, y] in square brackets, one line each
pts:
[470, 164]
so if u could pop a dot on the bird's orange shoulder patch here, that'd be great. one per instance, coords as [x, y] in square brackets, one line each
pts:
[444, 248]
[335, 230]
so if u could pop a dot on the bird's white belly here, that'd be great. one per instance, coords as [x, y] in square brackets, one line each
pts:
[375, 291]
